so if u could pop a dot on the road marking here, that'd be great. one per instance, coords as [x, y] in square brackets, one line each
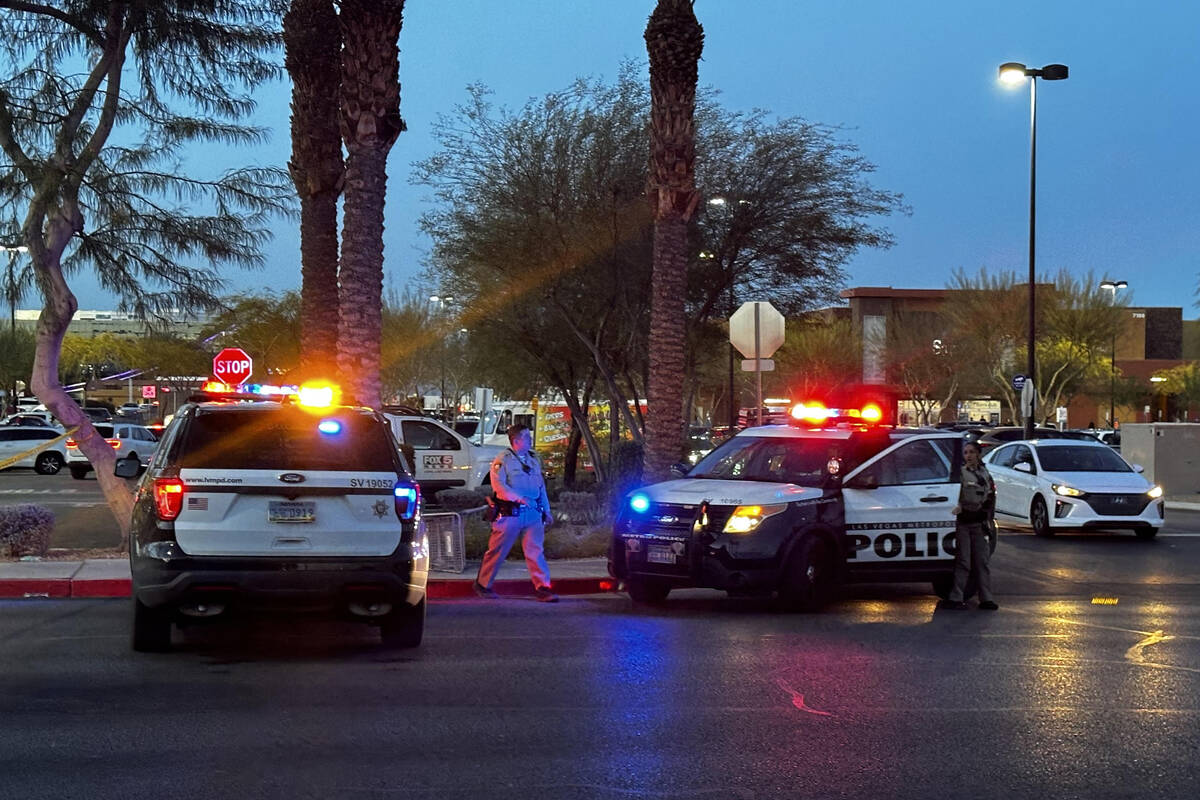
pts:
[39, 491]
[1135, 654]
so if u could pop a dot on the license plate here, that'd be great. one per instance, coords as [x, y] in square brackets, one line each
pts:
[291, 511]
[659, 554]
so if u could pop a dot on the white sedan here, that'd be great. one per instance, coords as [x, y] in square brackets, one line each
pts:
[1056, 484]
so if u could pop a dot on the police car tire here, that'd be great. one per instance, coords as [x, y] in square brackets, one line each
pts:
[647, 590]
[403, 627]
[1039, 518]
[79, 473]
[151, 628]
[808, 581]
[48, 464]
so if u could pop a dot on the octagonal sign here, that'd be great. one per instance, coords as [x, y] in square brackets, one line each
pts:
[233, 365]
[770, 329]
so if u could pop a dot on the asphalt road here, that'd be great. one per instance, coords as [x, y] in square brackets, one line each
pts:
[1086, 684]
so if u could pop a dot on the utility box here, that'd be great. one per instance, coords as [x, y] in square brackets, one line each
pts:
[1170, 452]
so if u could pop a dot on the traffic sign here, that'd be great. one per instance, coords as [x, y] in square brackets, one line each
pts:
[756, 335]
[1028, 397]
[148, 391]
[1018, 381]
[233, 366]
[758, 365]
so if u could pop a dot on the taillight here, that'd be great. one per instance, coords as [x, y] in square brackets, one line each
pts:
[408, 500]
[115, 443]
[168, 497]
[71, 443]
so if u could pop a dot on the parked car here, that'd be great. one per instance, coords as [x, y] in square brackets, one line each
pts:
[20, 439]
[993, 437]
[1056, 484]
[134, 442]
[32, 419]
[98, 414]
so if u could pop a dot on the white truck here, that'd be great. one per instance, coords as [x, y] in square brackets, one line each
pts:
[441, 459]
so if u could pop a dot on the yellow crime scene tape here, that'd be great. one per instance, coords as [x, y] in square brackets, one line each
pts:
[8, 462]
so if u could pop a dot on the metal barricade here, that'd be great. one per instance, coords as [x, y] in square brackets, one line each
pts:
[447, 548]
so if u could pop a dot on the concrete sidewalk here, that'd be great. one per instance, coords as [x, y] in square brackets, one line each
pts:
[109, 577]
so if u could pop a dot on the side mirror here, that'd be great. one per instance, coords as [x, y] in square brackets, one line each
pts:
[1024, 466]
[127, 468]
[1138, 468]
[680, 469]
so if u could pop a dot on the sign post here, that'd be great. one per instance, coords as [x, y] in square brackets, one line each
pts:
[756, 329]
[232, 366]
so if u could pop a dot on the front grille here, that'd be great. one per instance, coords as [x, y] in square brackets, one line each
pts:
[1118, 505]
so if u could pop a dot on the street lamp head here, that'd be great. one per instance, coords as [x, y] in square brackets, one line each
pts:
[433, 298]
[1053, 72]
[1112, 286]
[716, 201]
[1013, 72]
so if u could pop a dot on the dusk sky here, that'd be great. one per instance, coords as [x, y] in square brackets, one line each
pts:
[913, 84]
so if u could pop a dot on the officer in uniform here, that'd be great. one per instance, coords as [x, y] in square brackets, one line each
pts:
[976, 504]
[523, 511]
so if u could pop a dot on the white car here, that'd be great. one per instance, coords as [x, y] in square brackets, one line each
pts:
[130, 441]
[19, 440]
[1056, 484]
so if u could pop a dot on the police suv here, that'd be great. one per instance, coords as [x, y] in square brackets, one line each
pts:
[798, 510]
[282, 500]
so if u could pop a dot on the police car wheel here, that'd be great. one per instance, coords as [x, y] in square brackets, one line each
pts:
[48, 464]
[151, 628]
[809, 578]
[1039, 518]
[647, 590]
[403, 627]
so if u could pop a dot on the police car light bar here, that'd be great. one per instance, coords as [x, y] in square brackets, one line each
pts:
[316, 396]
[817, 414]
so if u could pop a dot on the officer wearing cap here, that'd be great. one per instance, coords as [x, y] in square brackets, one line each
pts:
[523, 511]
[976, 505]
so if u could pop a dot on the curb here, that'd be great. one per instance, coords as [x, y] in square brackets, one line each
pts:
[437, 589]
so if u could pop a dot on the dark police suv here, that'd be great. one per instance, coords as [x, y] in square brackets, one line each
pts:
[798, 510]
[288, 503]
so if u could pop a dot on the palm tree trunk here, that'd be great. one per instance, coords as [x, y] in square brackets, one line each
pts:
[313, 43]
[674, 42]
[370, 122]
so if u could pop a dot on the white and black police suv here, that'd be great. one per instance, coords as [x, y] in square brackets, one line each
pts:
[798, 510]
[265, 499]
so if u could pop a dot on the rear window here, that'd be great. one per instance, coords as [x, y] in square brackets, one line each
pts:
[285, 439]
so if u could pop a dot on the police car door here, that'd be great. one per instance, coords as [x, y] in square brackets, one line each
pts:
[441, 460]
[898, 504]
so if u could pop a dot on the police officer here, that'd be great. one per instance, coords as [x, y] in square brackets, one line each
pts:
[976, 504]
[524, 511]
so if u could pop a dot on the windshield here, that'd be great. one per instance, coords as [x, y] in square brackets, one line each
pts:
[1081, 459]
[775, 459]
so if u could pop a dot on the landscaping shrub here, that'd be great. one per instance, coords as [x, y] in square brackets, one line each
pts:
[581, 508]
[25, 530]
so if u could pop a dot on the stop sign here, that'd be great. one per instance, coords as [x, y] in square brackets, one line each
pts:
[770, 329]
[232, 366]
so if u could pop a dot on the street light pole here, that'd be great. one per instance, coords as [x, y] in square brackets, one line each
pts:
[10, 283]
[1114, 287]
[442, 301]
[1013, 73]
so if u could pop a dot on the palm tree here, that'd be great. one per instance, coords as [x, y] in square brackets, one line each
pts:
[313, 44]
[674, 41]
[370, 122]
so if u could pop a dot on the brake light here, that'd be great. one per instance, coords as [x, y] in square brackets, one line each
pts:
[168, 497]
[408, 500]
[115, 443]
[71, 443]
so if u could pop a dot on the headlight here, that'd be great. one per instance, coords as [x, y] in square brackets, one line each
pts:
[1066, 491]
[1156, 492]
[746, 518]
